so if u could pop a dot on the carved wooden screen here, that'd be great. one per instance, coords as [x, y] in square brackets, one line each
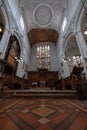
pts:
[13, 51]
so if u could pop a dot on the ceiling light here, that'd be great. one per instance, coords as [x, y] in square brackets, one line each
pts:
[0, 29]
[85, 32]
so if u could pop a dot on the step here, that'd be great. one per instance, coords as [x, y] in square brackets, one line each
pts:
[30, 93]
[44, 95]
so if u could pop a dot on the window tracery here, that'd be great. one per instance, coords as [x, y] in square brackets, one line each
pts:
[43, 57]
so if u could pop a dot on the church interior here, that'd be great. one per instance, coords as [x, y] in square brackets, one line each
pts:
[43, 64]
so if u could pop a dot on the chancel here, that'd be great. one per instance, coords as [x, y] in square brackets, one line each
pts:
[43, 64]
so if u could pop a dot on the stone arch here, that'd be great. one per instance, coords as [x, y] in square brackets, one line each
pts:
[71, 46]
[19, 37]
[7, 28]
[72, 52]
[78, 18]
[79, 27]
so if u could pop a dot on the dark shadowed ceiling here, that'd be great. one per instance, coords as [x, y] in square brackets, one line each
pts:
[43, 35]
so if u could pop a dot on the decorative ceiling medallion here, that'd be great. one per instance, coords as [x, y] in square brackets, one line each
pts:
[43, 15]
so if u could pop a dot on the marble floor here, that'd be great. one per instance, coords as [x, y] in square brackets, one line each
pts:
[43, 114]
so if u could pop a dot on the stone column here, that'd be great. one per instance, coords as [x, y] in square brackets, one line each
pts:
[82, 47]
[4, 43]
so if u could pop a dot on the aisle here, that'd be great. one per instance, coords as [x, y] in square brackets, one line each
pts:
[43, 114]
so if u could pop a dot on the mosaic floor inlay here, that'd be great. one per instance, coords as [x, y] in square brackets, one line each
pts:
[43, 120]
[43, 111]
[25, 111]
[43, 114]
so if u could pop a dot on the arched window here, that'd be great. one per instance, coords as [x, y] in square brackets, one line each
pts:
[77, 60]
[22, 23]
[64, 24]
[43, 57]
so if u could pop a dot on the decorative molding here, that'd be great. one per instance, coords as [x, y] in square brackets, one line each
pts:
[43, 15]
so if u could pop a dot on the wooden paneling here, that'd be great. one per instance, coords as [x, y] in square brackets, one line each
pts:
[42, 35]
[41, 76]
[69, 83]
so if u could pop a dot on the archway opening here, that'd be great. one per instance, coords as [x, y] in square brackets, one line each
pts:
[84, 27]
[73, 55]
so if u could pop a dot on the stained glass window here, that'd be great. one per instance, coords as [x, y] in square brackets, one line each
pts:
[77, 60]
[43, 57]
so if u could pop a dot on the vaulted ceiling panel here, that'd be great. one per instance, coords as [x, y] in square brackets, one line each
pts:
[43, 13]
[42, 35]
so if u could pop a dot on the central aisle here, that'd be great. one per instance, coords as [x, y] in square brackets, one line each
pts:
[43, 114]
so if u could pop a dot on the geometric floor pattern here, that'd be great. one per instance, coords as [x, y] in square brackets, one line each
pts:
[43, 114]
[43, 111]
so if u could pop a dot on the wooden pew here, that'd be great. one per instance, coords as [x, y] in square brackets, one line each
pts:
[9, 81]
[69, 83]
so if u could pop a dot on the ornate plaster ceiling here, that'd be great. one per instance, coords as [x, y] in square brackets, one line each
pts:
[43, 13]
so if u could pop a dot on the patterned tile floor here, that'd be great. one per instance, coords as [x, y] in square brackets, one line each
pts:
[43, 114]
